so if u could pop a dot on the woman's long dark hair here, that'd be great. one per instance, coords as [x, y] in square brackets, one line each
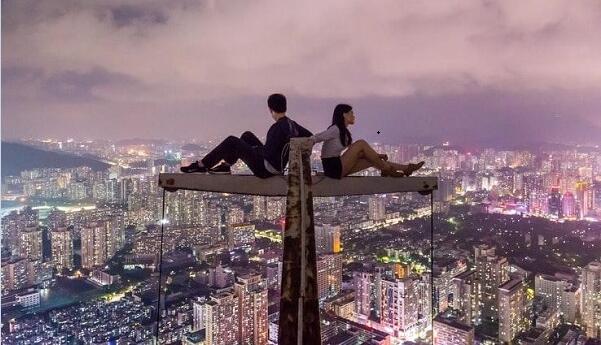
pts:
[338, 120]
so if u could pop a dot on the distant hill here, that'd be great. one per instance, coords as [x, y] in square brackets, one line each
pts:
[18, 157]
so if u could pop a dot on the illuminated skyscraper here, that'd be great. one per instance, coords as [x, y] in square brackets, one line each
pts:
[327, 239]
[443, 274]
[465, 296]
[14, 275]
[240, 235]
[329, 275]
[558, 294]
[491, 271]
[99, 242]
[365, 285]
[276, 208]
[512, 310]
[252, 300]
[30, 243]
[221, 319]
[56, 219]
[452, 332]
[198, 314]
[274, 274]
[234, 216]
[376, 208]
[259, 207]
[93, 245]
[61, 245]
[400, 307]
[584, 197]
[568, 205]
[591, 299]
[554, 203]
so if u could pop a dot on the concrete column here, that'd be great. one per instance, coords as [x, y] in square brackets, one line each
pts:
[299, 304]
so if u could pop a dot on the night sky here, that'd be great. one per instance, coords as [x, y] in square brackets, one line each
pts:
[505, 72]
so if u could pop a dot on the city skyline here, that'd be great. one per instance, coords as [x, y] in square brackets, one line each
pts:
[477, 222]
[516, 244]
[484, 72]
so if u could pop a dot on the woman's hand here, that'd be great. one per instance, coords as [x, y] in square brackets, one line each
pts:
[383, 156]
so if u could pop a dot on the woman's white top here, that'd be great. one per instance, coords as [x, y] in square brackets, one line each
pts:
[332, 147]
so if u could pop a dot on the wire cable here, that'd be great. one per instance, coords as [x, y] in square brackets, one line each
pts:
[160, 263]
[432, 261]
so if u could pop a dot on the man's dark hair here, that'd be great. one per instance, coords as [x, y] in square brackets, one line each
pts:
[277, 103]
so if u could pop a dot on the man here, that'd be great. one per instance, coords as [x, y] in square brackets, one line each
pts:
[263, 160]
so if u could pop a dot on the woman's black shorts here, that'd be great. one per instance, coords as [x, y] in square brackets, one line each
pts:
[332, 167]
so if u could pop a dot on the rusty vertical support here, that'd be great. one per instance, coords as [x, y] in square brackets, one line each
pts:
[299, 304]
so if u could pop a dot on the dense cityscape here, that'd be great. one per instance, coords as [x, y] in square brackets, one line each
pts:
[517, 251]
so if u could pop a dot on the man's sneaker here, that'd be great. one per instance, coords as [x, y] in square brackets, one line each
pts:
[194, 168]
[221, 169]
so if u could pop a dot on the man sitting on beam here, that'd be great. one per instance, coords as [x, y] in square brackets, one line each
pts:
[263, 160]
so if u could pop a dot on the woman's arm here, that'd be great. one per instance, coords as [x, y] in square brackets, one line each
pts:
[329, 133]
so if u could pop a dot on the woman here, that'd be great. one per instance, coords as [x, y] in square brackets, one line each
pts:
[358, 155]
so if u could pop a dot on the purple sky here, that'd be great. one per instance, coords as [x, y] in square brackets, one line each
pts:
[465, 71]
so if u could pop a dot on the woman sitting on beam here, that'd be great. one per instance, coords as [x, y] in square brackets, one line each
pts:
[359, 155]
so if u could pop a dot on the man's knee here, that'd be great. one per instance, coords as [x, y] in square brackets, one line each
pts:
[247, 134]
[232, 139]
[361, 142]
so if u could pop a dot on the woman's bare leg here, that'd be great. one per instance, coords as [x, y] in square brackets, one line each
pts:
[360, 165]
[360, 149]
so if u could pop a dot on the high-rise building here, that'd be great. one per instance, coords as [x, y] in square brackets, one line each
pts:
[252, 306]
[198, 314]
[568, 205]
[274, 275]
[491, 272]
[61, 245]
[327, 239]
[584, 198]
[400, 307]
[376, 208]
[259, 207]
[241, 235]
[443, 275]
[591, 299]
[512, 310]
[56, 219]
[221, 314]
[30, 243]
[99, 242]
[14, 274]
[365, 285]
[465, 296]
[452, 332]
[554, 203]
[276, 208]
[235, 216]
[559, 294]
[329, 275]
[93, 245]
[597, 197]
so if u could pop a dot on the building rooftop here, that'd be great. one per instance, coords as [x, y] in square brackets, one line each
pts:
[511, 285]
[453, 323]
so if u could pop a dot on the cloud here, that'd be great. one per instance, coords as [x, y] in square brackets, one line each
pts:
[161, 54]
